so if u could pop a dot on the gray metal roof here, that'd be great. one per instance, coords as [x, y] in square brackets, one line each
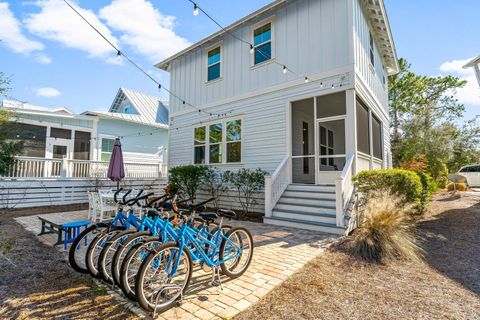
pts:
[150, 110]
[472, 62]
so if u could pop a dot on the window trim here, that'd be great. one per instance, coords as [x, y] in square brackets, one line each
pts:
[223, 143]
[100, 139]
[371, 49]
[207, 50]
[255, 26]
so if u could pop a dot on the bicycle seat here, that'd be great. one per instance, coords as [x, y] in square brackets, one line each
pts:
[208, 216]
[167, 206]
[226, 213]
[152, 213]
[197, 209]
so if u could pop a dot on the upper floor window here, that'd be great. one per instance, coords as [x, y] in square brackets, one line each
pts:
[372, 51]
[262, 43]
[213, 63]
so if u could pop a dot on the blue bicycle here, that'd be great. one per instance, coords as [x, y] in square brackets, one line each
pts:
[76, 254]
[165, 273]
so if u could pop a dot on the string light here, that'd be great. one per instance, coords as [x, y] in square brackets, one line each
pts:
[284, 70]
[307, 80]
[136, 65]
[321, 84]
[251, 49]
[195, 9]
[119, 56]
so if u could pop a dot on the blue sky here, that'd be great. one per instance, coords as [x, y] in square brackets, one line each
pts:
[56, 60]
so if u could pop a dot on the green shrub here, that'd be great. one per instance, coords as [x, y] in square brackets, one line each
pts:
[405, 184]
[214, 183]
[247, 182]
[187, 179]
[428, 187]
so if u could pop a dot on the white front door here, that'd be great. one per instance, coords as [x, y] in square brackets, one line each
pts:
[59, 148]
[330, 140]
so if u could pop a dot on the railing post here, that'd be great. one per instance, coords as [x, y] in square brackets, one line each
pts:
[339, 201]
[268, 196]
[64, 168]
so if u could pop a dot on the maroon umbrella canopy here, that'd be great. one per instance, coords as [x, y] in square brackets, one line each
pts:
[116, 171]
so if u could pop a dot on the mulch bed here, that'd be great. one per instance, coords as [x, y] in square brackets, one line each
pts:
[36, 283]
[446, 285]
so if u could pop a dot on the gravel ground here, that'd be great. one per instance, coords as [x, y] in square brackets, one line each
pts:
[35, 283]
[444, 286]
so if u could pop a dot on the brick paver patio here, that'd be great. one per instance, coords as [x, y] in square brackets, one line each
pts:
[279, 252]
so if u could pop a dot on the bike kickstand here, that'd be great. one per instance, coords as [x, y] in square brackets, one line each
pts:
[216, 281]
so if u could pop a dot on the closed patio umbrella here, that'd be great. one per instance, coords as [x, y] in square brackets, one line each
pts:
[116, 172]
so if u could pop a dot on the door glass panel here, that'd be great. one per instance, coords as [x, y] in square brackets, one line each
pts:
[59, 151]
[331, 142]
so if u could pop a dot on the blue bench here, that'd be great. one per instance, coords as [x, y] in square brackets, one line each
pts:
[72, 230]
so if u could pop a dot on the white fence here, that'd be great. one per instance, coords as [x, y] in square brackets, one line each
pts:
[30, 167]
[26, 193]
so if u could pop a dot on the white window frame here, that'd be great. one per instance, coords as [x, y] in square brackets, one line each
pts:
[371, 48]
[257, 25]
[223, 143]
[207, 50]
[100, 138]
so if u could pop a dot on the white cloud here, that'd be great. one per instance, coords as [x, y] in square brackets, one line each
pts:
[43, 59]
[144, 28]
[470, 93]
[47, 92]
[11, 34]
[57, 22]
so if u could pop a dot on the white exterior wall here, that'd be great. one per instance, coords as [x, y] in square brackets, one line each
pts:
[309, 36]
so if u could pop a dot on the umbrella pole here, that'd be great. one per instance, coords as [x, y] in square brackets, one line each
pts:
[118, 185]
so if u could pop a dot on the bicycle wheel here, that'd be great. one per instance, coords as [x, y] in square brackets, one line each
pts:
[237, 251]
[106, 255]
[132, 262]
[122, 252]
[157, 286]
[76, 254]
[96, 246]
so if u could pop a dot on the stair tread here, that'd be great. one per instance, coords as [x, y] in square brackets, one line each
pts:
[323, 224]
[307, 198]
[306, 205]
[310, 191]
[320, 214]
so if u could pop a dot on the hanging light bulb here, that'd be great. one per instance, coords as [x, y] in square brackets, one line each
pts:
[321, 84]
[195, 9]
[333, 86]
[159, 87]
[284, 70]
[119, 56]
[251, 49]
[307, 80]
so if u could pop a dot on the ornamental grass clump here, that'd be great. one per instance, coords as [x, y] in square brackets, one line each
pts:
[386, 231]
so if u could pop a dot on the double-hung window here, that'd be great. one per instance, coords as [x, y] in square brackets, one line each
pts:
[107, 148]
[262, 43]
[214, 61]
[218, 142]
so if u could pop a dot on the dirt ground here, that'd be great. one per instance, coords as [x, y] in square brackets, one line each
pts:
[35, 283]
[444, 286]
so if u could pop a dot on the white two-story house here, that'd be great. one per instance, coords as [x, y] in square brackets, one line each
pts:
[302, 96]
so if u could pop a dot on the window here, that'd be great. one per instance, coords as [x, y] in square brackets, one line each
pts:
[128, 109]
[215, 143]
[306, 161]
[221, 141]
[33, 137]
[363, 134]
[377, 140]
[199, 143]
[262, 43]
[234, 141]
[372, 52]
[107, 148]
[60, 133]
[213, 64]
[81, 147]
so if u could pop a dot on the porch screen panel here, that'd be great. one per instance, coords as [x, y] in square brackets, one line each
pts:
[377, 138]
[33, 138]
[331, 105]
[363, 135]
[81, 148]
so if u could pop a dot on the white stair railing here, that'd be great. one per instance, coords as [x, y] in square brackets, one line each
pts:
[276, 184]
[344, 190]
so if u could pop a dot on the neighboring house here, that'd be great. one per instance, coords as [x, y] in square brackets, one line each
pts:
[142, 123]
[140, 120]
[475, 64]
[311, 134]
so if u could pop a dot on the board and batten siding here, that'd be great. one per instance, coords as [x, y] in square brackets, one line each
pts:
[264, 126]
[372, 76]
[309, 36]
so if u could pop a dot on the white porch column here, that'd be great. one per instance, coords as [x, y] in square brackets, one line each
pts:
[351, 126]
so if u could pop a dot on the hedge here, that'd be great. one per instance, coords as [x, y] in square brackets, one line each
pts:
[404, 183]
